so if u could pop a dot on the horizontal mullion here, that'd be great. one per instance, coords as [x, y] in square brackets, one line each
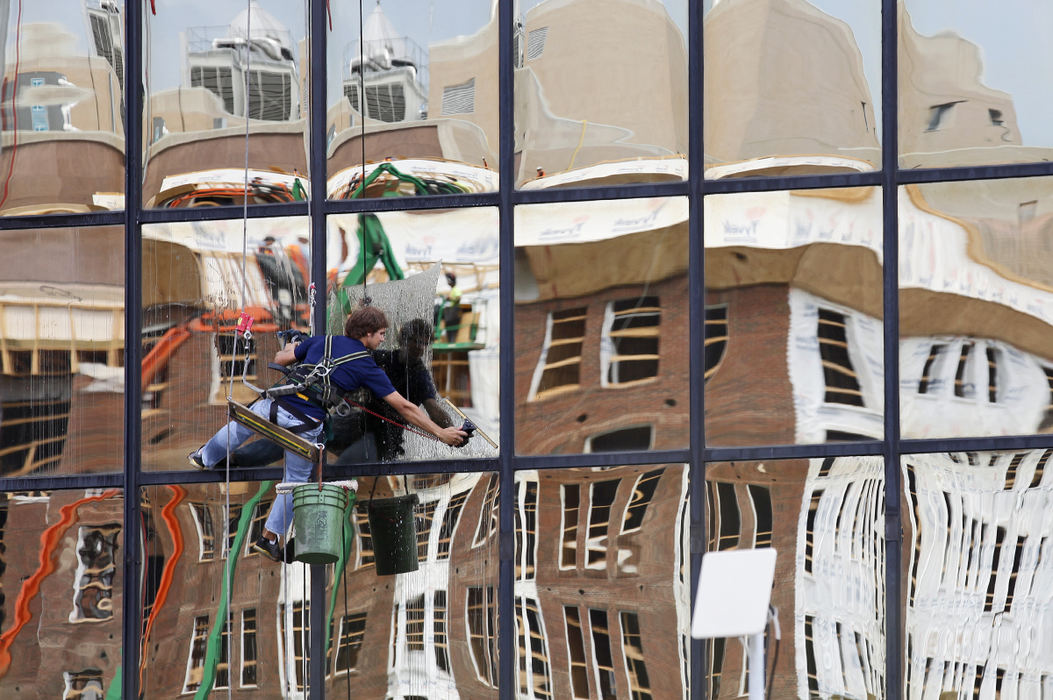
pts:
[976, 444]
[223, 212]
[584, 194]
[438, 201]
[825, 449]
[600, 459]
[984, 172]
[791, 182]
[54, 483]
[101, 218]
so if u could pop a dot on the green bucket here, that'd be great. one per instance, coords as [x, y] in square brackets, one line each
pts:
[394, 532]
[318, 516]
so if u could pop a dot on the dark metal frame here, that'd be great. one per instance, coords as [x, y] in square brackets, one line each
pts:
[889, 178]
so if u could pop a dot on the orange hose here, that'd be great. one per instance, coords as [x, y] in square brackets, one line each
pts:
[159, 354]
[168, 515]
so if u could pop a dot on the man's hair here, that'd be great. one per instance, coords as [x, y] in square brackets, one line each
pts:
[416, 329]
[363, 321]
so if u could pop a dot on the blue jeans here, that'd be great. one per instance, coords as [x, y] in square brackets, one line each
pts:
[297, 468]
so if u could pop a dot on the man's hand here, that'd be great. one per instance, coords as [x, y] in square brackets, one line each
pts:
[453, 437]
[416, 416]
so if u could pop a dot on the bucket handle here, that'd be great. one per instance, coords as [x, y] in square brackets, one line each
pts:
[321, 462]
[373, 488]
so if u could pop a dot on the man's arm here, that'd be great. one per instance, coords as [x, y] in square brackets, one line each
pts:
[415, 416]
[287, 355]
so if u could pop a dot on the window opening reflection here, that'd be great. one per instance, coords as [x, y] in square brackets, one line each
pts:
[96, 567]
[248, 648]
[601, 497]
[450, 520]
[195, 667]
[642, 495]
[352, 630]
[629, 341]
[632, 649]
[83, 685]
[716, 340]
[526, 529]
[363, 538]
[533, 651]
[603, 662]
[842, 385]
[579, 674]
[482, 631]
[559, 367]
[569, 495]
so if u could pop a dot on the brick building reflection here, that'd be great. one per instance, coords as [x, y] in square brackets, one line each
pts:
[793, 355]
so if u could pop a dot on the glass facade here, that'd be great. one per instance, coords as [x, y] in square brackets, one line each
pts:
[700, 276]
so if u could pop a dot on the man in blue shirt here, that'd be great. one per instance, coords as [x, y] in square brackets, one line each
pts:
[364, 329]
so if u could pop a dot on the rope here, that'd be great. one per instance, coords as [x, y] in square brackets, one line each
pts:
[243, 326]
[347, 612]
[404, 426]
[362, 108]
[14, 110]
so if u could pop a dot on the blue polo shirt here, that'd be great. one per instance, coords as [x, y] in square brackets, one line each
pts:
[349, 376]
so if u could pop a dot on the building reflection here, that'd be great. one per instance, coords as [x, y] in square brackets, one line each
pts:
[793, 354]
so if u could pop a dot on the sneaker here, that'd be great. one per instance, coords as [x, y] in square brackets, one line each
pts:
[269, 548]
[195, 459]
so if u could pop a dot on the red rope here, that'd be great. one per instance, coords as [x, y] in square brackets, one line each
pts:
[393, 422]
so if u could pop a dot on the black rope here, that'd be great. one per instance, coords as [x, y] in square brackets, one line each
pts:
[362, 109]
[340, 641]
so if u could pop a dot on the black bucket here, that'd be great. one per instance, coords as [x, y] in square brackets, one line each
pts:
[394, 531]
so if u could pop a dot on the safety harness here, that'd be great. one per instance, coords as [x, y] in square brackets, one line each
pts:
[312, 383]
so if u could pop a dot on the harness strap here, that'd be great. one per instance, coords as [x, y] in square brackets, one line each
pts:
[306, 422]
[319, 373]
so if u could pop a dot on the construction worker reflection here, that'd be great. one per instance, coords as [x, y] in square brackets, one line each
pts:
[348, 367]
[375, 433]
[451, 309]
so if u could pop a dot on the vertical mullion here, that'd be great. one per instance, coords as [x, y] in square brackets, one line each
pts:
[317, 171]
[696, 332]
[133, 178]
[890, 280]
[506, 145]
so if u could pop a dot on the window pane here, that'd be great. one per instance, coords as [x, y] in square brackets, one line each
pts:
[435, 277]
[825, 519]
[205, 76]
[63, 105]
[197, 281]
[621, 566]
[961, 552]
[791, 88]
[966, 96]
[412, 107]
[975, 308]
[793, 317]
[601, 326]
[61, 351]
[600, 91]
[410, 634]
[63, 624]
